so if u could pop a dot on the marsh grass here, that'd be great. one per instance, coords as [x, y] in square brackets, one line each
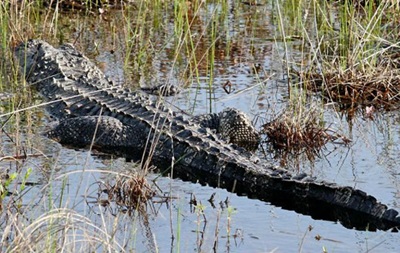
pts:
[354, 88]
[191, 35]
[346, 58]
[58, 230]
[355, 64]
[131, 193]
[52, 222]
[301, 129]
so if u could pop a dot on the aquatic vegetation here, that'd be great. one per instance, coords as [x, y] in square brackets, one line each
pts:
[332, 52]
[346, 58]
[301, 129]
[355, 62]
[128, 192]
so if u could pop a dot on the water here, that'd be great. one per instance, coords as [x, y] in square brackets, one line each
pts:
[236, 224]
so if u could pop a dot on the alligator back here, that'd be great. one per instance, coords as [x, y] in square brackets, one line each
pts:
[76, 87]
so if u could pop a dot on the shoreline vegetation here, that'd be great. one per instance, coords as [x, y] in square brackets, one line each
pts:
[347, 55]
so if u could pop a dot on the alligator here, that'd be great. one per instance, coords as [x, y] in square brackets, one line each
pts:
[93, 111]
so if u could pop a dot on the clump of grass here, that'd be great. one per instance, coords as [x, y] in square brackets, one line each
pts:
[301, 129]
[82, 5]
[351, 88]
[129, 192]
[58, 230]
[355, 65]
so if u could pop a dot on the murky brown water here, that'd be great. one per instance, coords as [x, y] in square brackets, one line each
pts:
[248, 56]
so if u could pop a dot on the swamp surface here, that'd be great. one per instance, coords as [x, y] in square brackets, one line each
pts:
[221, 54]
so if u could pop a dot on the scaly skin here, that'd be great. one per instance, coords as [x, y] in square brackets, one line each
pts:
[129, 123]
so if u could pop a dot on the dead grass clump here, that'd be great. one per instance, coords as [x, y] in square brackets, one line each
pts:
[131, 193]
[352, 88]
[58, 230]
[374, 83]
[300, 129]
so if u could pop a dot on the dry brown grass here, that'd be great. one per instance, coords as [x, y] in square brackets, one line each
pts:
[352, 88]
[372, 83]
[131, 193]
[79, 5]
[301, 129]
